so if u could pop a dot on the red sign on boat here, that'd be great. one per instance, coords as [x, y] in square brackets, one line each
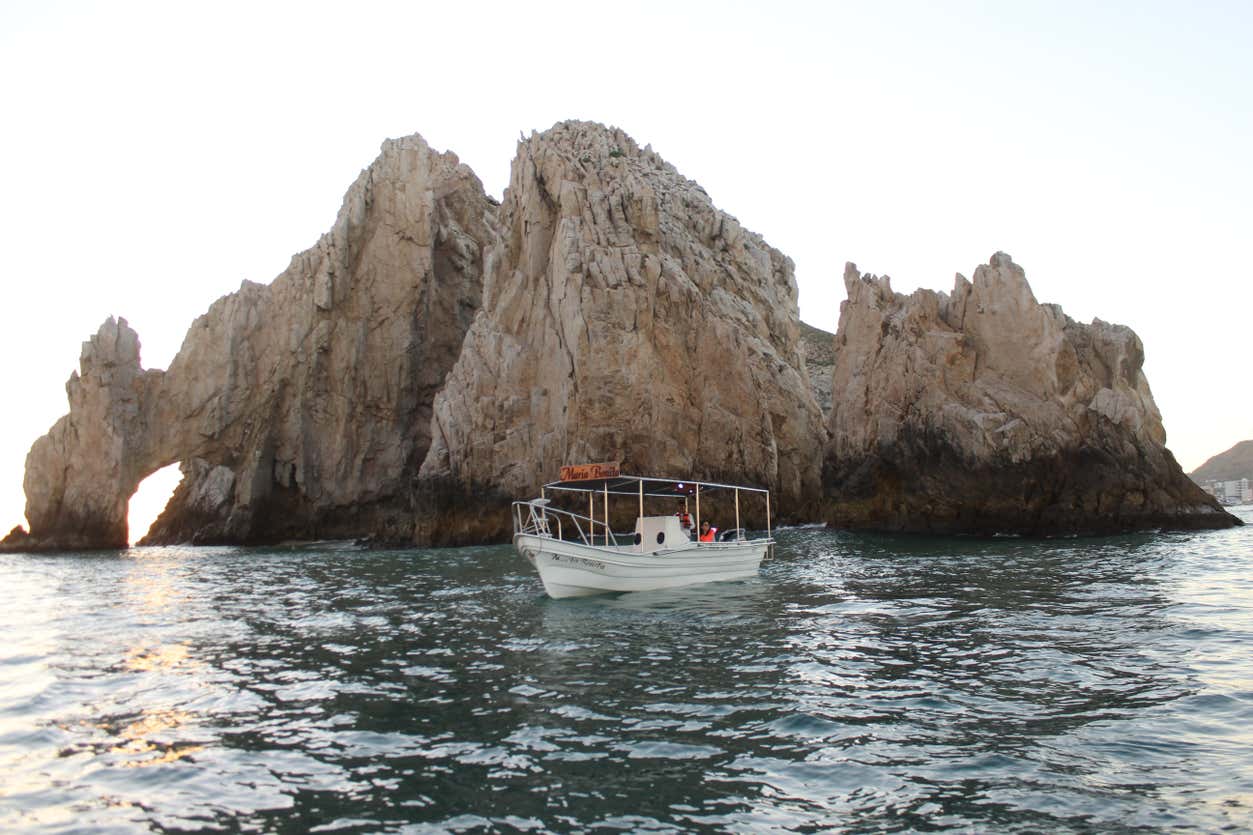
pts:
[586, 472]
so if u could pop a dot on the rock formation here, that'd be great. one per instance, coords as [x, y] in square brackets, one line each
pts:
[80, 476]
[437, 354]
[985, 412]
[624, 318]
[298, 409]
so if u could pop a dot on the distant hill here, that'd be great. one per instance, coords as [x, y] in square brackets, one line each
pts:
[819, 357]
[1233, 464]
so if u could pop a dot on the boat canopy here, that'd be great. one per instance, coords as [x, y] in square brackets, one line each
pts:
[606, 478]
[631, 485]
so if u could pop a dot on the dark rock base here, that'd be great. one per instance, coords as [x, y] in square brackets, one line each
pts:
[926, 488]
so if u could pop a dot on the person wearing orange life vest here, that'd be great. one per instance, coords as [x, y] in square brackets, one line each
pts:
[707, 533]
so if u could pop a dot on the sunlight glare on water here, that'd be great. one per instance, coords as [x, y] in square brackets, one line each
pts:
[859, 682]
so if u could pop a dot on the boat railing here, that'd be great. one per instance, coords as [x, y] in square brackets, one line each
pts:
[537, 518]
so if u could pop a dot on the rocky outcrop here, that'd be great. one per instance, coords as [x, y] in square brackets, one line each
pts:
[437, 354]
[624, 318]
[80, 476]
[297, 409]
[986, 412]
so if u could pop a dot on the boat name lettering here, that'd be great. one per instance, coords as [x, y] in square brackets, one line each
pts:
[584, 472]
[583, 561]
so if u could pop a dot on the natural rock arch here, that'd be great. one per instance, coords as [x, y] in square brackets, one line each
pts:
[301, 408]
[437, 354]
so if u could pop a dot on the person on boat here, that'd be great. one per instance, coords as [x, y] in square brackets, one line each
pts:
[685, 521]
[707, 533]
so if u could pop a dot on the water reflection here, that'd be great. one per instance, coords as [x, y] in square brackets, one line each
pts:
[883, 682]
[150, 659]
[145, 742]
[152, 584]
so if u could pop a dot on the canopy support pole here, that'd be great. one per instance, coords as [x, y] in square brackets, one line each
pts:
[606, 513]
[641, 498]
[770, 548]
[738, 533]
[698, 513]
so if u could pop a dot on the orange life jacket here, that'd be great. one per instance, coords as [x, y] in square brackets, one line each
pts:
[708, 536]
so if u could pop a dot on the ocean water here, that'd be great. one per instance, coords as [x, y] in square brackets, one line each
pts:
[858, 684]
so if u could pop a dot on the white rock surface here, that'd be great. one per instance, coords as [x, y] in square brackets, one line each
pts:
[625, 318]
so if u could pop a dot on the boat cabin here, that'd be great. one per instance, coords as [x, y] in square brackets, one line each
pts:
[659, 533]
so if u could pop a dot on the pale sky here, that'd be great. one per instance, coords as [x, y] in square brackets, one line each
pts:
[153, 155]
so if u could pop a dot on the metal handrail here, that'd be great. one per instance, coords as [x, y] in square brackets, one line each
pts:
[533, 518]
[536, 523]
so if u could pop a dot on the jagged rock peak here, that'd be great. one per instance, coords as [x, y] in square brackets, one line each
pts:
[595, 149]
[625, 318]
[985, 411]
[80, 475]
[296, 409]
[574, 157]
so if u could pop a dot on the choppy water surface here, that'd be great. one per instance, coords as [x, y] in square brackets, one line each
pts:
[859, 683]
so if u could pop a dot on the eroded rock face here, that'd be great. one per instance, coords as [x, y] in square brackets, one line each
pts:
[624, 318]
[436, 355]
[298, 409]
[80, 475]
[986, 412]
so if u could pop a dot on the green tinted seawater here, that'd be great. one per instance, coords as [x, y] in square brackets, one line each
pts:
[859, 683]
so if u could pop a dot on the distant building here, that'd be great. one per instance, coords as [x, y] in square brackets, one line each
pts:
[1239, 491]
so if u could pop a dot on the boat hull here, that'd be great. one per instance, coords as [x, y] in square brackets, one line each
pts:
[571, 569]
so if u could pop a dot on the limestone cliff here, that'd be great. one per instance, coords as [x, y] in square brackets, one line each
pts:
[984, 411]
[437, 354]
[297, 409]
[624, 318]
[80, 476]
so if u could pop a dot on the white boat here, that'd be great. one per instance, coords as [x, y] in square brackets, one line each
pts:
[578, 555]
